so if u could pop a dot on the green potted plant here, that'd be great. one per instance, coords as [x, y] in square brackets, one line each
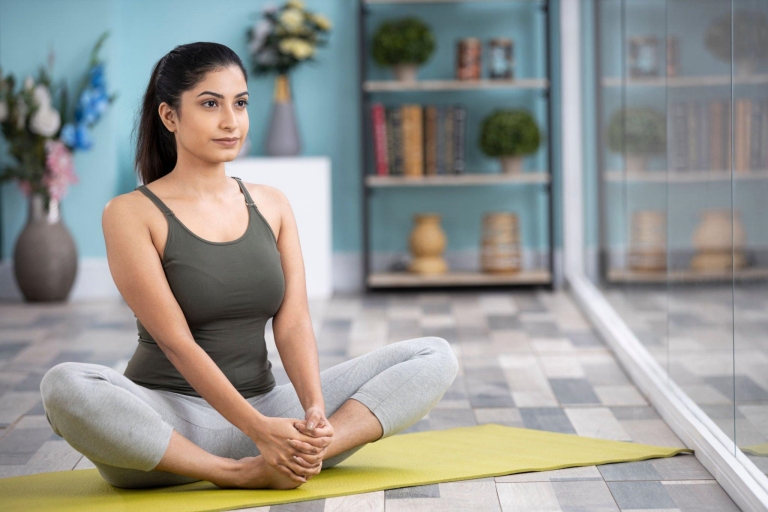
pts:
[638, 132]
[749, 47]
[404, 44]
[509, 134]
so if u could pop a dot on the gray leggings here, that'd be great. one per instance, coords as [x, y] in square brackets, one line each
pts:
[124, 428]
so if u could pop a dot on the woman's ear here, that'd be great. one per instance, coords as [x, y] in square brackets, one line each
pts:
[167, 116]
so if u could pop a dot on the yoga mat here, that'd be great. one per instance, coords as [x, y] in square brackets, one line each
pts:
[756, 449]
[402, 460]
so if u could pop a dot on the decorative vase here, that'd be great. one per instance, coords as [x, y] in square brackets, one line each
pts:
[636, 162]
[405, 72]
[427, 242]
[500, 247]
[648, 241]
[512, 164]
[45, 256]
[718, 247]
[283, 134]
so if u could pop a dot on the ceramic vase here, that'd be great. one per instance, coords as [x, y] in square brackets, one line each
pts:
[427, 242]
[45, 256]
[283, 134]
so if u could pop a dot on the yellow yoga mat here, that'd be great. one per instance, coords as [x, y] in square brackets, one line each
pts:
[756, 449]
[403, 460]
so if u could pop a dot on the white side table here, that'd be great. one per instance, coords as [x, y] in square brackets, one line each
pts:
[306, 182]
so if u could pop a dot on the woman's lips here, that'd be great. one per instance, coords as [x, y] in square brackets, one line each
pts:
[226, 143]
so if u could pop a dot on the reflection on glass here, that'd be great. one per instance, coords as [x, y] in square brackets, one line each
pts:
[750, 188]
[680, 245]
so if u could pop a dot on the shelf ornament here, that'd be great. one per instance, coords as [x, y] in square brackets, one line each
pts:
[509, 134]
[280, 40]
[404, 44]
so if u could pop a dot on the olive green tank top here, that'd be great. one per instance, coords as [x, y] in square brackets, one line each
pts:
[227, 291]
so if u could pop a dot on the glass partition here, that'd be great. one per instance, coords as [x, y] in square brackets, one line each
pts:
[676, 236]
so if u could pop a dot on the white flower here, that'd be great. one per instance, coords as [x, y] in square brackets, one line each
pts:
[42, 96]
[292, 19]
[260, 33]
[3, 111]
[29, 82]
[299, 48]
[321, 21]
[296, 4]
[45, 122]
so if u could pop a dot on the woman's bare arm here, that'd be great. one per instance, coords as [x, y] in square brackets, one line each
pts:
[138, 273]
[292, 325]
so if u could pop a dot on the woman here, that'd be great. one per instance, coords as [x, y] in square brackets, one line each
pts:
[204, 260]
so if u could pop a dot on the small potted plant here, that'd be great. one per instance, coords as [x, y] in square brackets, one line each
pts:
[750, 46]
[509, 134]
[404, 44]
[639, 133]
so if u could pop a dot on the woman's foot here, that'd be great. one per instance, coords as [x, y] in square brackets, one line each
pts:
[256, 473]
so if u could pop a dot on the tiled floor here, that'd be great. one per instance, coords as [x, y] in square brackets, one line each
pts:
[700, 335]
[528, 359]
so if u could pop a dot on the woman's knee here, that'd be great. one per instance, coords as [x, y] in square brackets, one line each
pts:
[448, 362]
[61, 386]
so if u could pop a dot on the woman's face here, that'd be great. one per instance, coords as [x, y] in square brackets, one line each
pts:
[216, 108]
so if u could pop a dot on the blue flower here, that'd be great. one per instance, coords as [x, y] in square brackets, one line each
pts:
[83, 137]
[98, 81]
[68, 135]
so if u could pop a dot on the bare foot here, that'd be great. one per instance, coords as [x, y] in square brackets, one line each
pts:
[256, 473]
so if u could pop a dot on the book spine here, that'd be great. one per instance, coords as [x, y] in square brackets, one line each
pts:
[715, 136]
[460, 117]
[449, 139]
[440, 139]
[755, 143]
[418, 139]
[691, 120]
[380, 138]
[397, 121]
[390, 139]
[430, 142]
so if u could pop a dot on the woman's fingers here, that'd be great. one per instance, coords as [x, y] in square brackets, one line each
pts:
[305, 447]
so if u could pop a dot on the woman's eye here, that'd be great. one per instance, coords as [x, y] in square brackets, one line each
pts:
[209, 101]
[244, 102]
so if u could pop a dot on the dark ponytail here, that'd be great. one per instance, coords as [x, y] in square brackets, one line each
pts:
[179, 70]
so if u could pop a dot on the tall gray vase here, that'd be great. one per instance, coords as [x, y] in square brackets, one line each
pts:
[283, 134]
[45, 257]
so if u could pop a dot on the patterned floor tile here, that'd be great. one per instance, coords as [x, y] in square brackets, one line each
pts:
[526, 359]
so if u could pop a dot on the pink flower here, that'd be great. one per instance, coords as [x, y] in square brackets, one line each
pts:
[61, 169]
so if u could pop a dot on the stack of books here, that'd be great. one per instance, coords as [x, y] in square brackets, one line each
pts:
[700, 135]
[418, 140]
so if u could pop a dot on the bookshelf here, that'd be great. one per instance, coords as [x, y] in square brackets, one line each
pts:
[531, 180]
[713, 157]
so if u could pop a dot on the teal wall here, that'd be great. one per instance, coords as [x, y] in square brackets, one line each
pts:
[326, 95]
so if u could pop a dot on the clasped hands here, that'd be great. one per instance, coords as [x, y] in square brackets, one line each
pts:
[295, 447]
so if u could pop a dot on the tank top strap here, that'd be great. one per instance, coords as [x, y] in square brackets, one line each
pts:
[151, 195]
[248, 199]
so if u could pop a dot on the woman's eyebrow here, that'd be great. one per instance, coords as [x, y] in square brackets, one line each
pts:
[244, 93]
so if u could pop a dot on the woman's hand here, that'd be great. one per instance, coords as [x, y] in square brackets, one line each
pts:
[317, 426]
[274, 442]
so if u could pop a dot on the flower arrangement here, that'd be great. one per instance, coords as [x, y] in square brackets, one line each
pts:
[285, 36]
[39, 133]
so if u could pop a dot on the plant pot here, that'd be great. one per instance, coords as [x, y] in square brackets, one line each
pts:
[511, 164]
[405, 72]
[636, 162]
[45, 256]
[744, 67]
[427, 242]
[283, 133]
